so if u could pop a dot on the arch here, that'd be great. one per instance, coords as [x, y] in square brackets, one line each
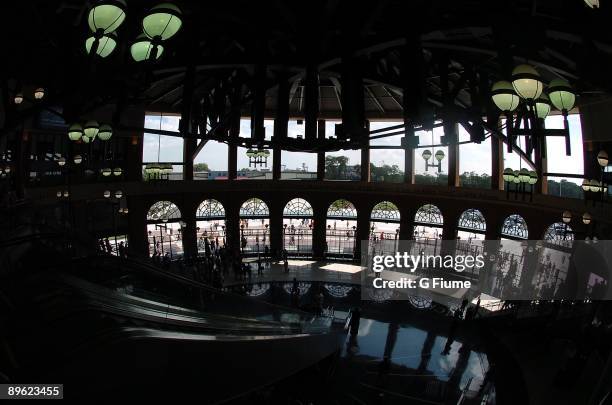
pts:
[385, 211]
[254, 208]
[429, 214]
[515, 227]
[163, 211]
[342, 209]
[298, 208]
[472, 220]
[559, 233]
[210, 209]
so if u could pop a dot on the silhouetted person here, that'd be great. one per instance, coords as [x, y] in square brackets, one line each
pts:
[121, 249]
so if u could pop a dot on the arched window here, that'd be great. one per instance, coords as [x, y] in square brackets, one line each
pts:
[297, 208]
[342, 209]
[341, 230]
[164, 230]
[559, 234]
[210, 209]
[515, 227]
[384, 228]
[254, 208]
[429, 214]
[163, 211]
[254, 226]
[385, 211]
[210, 225]
[472, 220]
[297, 228]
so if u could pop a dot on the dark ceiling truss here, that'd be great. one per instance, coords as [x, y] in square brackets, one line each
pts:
[454, 30]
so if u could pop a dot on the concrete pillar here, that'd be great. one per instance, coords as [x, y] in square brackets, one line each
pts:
[276, 224]
[319, 232]
[321, 155]
[363, 230]
[281, 122]
[365, 157]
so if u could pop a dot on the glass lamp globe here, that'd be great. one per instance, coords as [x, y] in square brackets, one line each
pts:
[526, 82]
[561, 94]
[75, 132]
[105, 133]
[107, 194]
[567, 217]
[524, 175]
[142, 49]
[592, 3]
[106, 44]
[66, 194]
[426, 154]
[78, 159]
[542, 106]
[91, 129]
[162, 21]
[18, 98]
[508, 174]
[118, 194]
[106, 16]
[586, 185]
[58, 194]
[250, 153]
[533, 177]
[504, 96]
[602, 158]
[39, 93]
[61, 161]
[86, 139]
[7, 169]
[586, 218]
[117, 171]
[125, 210]
[517, 177]
[106, 171]
[595, 186]
[439, 155]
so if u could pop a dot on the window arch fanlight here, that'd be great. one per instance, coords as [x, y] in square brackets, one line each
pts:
[472, 220]
[163, 211]
[559, 233]
[515, 227]
[210, 209]
[385, 211]
[429, 214]
[298, 208]
[342, 209]
[254, 208]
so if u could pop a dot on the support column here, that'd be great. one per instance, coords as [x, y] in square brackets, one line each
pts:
[185, 124]
[281, 123]
[366, 175]
[321, 155]
[414, 96]
[132, 116]
[319, 231]
[190, 238]
[453, 164]
[497, 163]
[363, 230]
[276, 226]
[541, 187]
[234, 133]
[406, 224]
[232, 227]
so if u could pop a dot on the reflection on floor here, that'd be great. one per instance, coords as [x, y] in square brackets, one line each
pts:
[407, 362]
[302, 270]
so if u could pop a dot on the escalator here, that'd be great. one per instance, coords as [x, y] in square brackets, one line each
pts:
[126, 329]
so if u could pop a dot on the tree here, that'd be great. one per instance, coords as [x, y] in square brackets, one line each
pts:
[336, 167]
[201, 167]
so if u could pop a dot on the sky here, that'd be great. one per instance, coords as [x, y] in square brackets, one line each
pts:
[473, 157]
